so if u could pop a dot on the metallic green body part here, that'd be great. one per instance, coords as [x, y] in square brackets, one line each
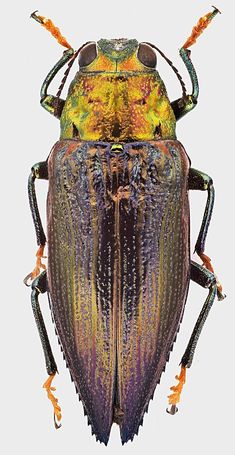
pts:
[200, 181]
[50, 102]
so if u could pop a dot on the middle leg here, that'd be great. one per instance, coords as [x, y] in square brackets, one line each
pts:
[202, 182]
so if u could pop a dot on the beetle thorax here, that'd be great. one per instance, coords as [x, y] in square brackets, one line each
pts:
[116, 97]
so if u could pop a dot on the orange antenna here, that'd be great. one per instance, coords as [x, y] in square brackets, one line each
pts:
[203, 22]
[48, 24]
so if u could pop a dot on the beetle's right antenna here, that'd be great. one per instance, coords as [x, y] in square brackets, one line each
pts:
[50, 26]
[203, 23]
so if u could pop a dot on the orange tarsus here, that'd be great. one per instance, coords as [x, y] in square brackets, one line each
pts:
[200, 27]
[37, 269]
[54, 401]
[39, 265]
[174, 398]
[206, 262]
[55, 31]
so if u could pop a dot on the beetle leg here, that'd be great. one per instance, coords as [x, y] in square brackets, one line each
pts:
[51, 103]
[53, 399]
[38, 171]
[206, 279]
[200, 181]
[39, 285]
[185, 104]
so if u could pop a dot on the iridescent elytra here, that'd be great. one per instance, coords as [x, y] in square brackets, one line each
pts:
[119, 261]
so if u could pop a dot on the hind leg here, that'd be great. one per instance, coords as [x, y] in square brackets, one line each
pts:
[206, 279]
[39, 286]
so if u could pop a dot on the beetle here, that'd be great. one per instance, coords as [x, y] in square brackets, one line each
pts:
[119, 262]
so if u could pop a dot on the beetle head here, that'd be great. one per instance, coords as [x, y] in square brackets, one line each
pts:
[117, 55]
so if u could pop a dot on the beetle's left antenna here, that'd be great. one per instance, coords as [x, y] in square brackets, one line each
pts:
[48, 25]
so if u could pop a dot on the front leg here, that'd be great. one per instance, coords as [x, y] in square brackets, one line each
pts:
[38, 171]
[200, 181]
[185, 104]
[51, 103]
[39, 284]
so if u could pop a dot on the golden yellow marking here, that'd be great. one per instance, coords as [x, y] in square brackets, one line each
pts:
[117, 147]
[102, 63]
[156, 315]
[141, 320]
[136, 104]
[132, 63]
[94, 252]
[68, 248]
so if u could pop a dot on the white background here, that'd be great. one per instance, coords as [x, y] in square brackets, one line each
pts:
[204, 423]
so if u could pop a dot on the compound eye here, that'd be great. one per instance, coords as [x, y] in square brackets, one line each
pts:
[147, 56]
[87, 54]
